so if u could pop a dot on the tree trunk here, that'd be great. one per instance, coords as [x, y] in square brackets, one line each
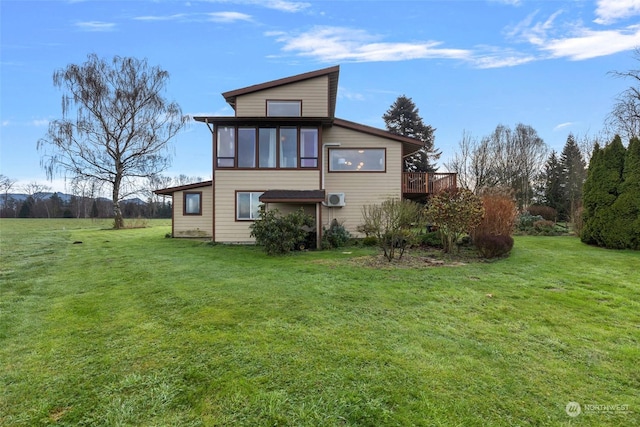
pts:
[118, 221]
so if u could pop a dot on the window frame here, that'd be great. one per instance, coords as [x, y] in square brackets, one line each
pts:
[283, 102]
[237, 210]
[184, 203]
[278, 149]
[330, 162]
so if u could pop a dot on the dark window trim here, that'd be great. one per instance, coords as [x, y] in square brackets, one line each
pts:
[235, 204]
[277, 127]
[267, 101]
[356, 148]
[184, 203]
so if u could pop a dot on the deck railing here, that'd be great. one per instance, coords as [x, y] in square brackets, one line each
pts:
[427, 183]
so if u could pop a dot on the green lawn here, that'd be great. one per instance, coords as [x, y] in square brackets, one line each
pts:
[131, 328]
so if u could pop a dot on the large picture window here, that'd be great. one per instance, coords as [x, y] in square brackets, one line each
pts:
[284, 108]
[357, 160]
[193, 203]
[248, 205]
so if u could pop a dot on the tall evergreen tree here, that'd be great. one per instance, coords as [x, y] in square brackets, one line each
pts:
[402, 118]
[601, 190]
[573, 175]
[552, 181]
[626, 208]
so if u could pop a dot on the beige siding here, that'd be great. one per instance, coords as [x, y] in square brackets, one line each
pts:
[314, 94]
[193, 225]
[361, 188]
[229, 181]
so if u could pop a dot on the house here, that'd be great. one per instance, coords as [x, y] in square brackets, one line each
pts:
[285, 148]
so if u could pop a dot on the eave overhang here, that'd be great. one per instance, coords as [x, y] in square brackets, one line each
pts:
[293, 196]
[170, 190]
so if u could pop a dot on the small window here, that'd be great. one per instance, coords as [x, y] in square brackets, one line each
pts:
[193, 203]
[357, 160]
[284, 108]
[248, 205]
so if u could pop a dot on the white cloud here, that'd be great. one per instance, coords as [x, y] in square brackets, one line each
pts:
[281, 5]
[96, 26]
[40, 122]
[573, 40]
[592, 44]
[175, 17]
[345, 93]
[609, 11]
[563, 125]
[6, 123]
[228, 17]
[334, 44]
[501, 60]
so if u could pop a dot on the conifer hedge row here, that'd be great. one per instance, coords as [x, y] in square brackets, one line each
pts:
[611, 196]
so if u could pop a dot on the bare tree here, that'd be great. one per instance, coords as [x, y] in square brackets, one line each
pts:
[624, 119]
[183, 179]
[506, 158]
[37, 192]
[6, 184]
[115, 126]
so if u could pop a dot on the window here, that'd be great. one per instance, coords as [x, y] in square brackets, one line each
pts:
[357, 160]
[267, 147]
[192, 203]
[247, 147]
[308, 148]
[226, 148]
[253, 147]
[288, 147]
[284, 108]
[248, 205]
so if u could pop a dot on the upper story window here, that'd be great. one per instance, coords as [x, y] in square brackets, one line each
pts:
[192, 203]
[357, 160]
[284, 108]
[278, 147]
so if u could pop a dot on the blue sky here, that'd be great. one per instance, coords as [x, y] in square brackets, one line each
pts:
[468, 65]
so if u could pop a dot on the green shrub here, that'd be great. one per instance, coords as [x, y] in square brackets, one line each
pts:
[280, 234]
[370, 241]
[525, 221]
[455, 212]
[431, 239]
[335, 236]
[492, 246]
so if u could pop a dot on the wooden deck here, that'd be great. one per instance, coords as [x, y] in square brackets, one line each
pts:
[427, 183]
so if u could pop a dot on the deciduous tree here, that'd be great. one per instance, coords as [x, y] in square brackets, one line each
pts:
[115, 126]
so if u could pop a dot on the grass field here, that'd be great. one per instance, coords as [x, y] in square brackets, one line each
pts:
[131, 328]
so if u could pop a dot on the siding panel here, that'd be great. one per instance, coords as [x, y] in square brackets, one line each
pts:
[193, 225]
[228, 182]
[314, 94]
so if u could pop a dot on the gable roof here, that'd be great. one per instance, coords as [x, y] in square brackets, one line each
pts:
[170, 190]
[331, 72]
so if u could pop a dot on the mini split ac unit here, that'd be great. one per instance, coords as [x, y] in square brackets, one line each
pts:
[335, 199]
